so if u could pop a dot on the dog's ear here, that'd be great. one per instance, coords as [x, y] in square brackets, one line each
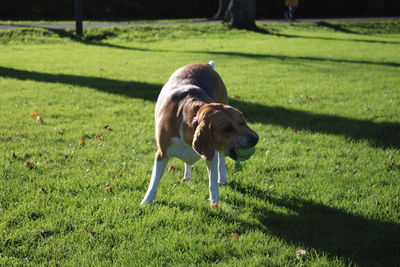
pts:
[203, 142]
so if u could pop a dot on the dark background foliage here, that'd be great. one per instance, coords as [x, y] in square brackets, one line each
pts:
[158, 9]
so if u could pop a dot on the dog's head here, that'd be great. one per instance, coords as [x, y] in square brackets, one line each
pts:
[221, 128]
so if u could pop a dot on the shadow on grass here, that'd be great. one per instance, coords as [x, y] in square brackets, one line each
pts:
[324, 24]
[132, 89]
[94, 39]
[334, 39]
[384, 134]
[281, 57]
[365, 242]
[97, 38]
[335, 27]
[379, 134]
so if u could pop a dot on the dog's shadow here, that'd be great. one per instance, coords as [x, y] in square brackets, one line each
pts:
[313, 226]
[336, 232]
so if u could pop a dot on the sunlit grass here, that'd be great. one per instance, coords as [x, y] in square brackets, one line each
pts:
[325, 100]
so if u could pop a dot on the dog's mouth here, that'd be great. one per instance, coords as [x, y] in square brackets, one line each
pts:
[232, 154]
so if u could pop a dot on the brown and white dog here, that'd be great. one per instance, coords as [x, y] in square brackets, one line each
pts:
[193, 120]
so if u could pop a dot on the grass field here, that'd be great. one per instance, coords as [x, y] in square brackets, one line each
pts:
[323, 188]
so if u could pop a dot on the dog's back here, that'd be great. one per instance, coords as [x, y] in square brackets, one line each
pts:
[194, 77]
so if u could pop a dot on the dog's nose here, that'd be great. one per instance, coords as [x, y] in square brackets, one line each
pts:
[253, 140]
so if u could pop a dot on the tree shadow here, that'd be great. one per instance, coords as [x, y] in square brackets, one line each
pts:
[134, 89]
[333, 39]
[95, 39]
[383, 134]
[362, 241]
[335, 27]
[306, 58]
[379, 134]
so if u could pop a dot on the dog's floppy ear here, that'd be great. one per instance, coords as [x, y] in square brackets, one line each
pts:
[203, 142]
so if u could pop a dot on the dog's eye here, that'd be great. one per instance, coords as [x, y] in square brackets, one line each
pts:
[228, 128]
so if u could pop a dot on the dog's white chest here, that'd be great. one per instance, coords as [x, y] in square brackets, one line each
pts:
[182, 151]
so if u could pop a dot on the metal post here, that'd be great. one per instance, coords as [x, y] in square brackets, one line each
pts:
[78, 17]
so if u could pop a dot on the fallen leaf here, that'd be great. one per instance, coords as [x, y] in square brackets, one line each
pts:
[69, 229]
[173, 167]
[107, 127]
[215, 205]
[39, 119]
[43, 191]
[100, 137]
[118, 175]
[295, 130]
[30, 165]
[300, 253]
[307, 98]
[93, 233]
[34, 113]
[235, 235]
[81, 142]
[109, 189]
[237, 97]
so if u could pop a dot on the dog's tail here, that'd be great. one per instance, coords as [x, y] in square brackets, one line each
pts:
[212, 64]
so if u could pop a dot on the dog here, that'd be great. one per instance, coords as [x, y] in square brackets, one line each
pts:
[193, 120]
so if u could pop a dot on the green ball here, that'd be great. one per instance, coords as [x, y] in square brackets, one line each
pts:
[245, 154]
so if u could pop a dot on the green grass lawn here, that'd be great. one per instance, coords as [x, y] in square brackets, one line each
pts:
[324, 98]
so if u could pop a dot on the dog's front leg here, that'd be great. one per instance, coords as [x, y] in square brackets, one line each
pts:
[221, 169]
[158, 170]
[212, 168]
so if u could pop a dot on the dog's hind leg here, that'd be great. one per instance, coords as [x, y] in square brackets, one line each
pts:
[221, 169]
[158, 170]
[188, 173]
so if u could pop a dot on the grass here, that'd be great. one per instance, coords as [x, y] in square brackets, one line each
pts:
[324, 98]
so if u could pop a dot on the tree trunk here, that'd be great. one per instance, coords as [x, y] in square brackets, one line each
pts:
[222, 7]
[242, 14]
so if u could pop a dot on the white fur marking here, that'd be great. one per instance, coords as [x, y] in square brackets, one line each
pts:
[212, 168]
[212, 63]
[158, 170]
[182, 151]
[221, 169]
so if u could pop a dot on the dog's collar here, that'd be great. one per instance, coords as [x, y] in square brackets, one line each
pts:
[195, 122]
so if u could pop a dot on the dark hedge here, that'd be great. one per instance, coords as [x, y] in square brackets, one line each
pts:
[160, 9]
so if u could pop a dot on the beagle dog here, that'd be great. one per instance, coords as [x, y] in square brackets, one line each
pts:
[193, 120]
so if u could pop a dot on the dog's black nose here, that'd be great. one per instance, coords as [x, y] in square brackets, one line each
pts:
[253, 140]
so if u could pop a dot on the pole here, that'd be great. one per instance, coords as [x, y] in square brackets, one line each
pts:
[78, 17]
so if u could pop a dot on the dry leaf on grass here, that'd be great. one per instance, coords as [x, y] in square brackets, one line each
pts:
[42, 190]
[173, 167]
[100, 137]
[301, 253]
[109, 189]
[81, 142]
[39, 119]
[235, 235]
[30, 165]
